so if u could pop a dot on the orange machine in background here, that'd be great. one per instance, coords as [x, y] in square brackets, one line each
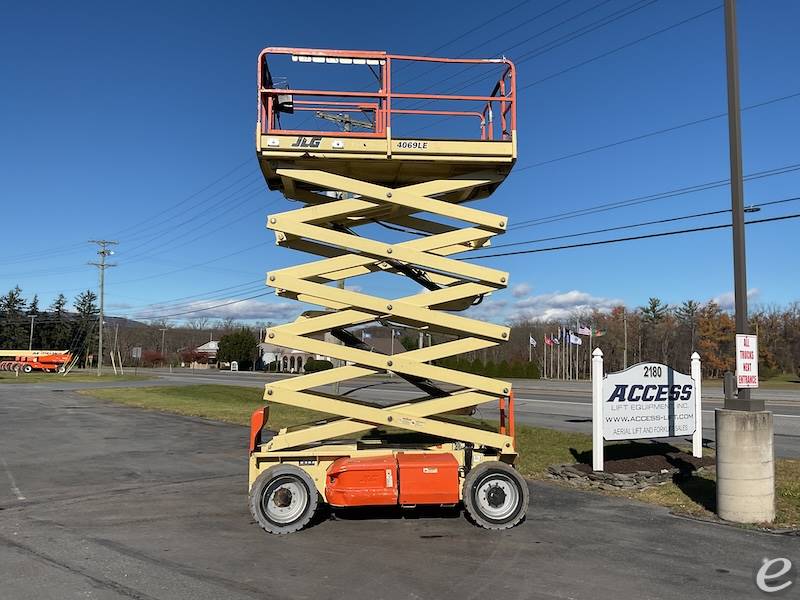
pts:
[35, 360]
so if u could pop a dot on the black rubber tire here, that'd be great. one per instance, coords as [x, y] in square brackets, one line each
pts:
[261, 486]
[487, 472]
[27, 368]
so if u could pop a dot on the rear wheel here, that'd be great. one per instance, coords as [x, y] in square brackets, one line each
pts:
[283, 499]
[27, 368]
[495, 495]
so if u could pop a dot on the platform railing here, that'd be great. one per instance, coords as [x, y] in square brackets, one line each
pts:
[502, 99]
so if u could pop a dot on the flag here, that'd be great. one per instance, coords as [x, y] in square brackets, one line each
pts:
[598, 332]
[555, 339]
[549, 340]
[574, 339]
[584, 330]
[531, 341]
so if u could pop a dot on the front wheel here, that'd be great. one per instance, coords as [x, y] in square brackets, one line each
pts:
[283, 499]
[27, 368]
[495, 495]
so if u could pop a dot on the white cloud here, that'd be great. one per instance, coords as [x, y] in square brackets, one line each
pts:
[226, 309]
[559, 306]
[489, 310]
[726, 301]
[521, 290]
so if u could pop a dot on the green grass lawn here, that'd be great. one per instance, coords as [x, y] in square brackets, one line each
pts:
[538, 447]
[784, 381]
[57, 378]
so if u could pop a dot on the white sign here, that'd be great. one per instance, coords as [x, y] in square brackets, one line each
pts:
[647, 400]
[234, 366]
[136, 352]
[746, 361]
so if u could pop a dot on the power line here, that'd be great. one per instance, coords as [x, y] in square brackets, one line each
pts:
[650, 198]
[643, 224]
[480, 25]
[249, 287]
[632, 238]
[189, 197]
[552, 45]
[654, 133]
[171, 242]
[619, 48]
[189, 267]
[187, 312]
[75, 247]
[242, 195]
[506, 32]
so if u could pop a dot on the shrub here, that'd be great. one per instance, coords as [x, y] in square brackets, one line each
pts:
[313, 365]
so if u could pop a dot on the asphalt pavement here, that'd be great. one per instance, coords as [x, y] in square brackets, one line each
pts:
[105, 502]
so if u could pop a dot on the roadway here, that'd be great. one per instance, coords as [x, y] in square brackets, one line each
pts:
[109, 502]
[565, 406]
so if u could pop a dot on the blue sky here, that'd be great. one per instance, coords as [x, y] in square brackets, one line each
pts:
[135, 122]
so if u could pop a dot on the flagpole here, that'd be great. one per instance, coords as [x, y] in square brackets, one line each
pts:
[569, 356]
[558, 355]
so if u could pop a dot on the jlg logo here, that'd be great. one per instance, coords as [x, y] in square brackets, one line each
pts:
[304, 142]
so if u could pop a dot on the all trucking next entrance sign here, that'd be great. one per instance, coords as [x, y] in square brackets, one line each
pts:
[746, 361]
[645, 401]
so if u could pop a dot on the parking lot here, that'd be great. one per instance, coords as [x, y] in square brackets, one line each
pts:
[101, 501]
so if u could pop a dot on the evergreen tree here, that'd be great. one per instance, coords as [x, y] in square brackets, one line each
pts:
[12, 320]
[33, 307]
[57, 335]
[85, 305]
[654, 312]
[686, 314]
[240, 346]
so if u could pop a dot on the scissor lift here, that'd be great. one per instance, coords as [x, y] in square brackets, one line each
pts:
[406, 453]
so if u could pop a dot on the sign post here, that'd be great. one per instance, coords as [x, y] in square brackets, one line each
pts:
[697, 375]
[597, 409]
[136, 352]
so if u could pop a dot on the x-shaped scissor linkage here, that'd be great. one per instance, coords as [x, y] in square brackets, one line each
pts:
[360, 418]
[350, 256]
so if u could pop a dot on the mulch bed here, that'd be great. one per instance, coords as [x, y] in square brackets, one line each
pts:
[682, 461]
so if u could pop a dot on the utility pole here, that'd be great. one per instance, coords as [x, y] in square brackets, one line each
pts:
[744, 430]
[163, 331]
[30, 341]
[102, 252]
[743, 400]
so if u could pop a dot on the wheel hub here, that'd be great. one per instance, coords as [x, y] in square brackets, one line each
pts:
[496, 497]
[282, 498]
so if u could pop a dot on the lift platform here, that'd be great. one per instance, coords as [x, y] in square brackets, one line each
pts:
[360, 173]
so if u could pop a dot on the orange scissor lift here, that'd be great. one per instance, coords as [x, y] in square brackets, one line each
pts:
[356, 175]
